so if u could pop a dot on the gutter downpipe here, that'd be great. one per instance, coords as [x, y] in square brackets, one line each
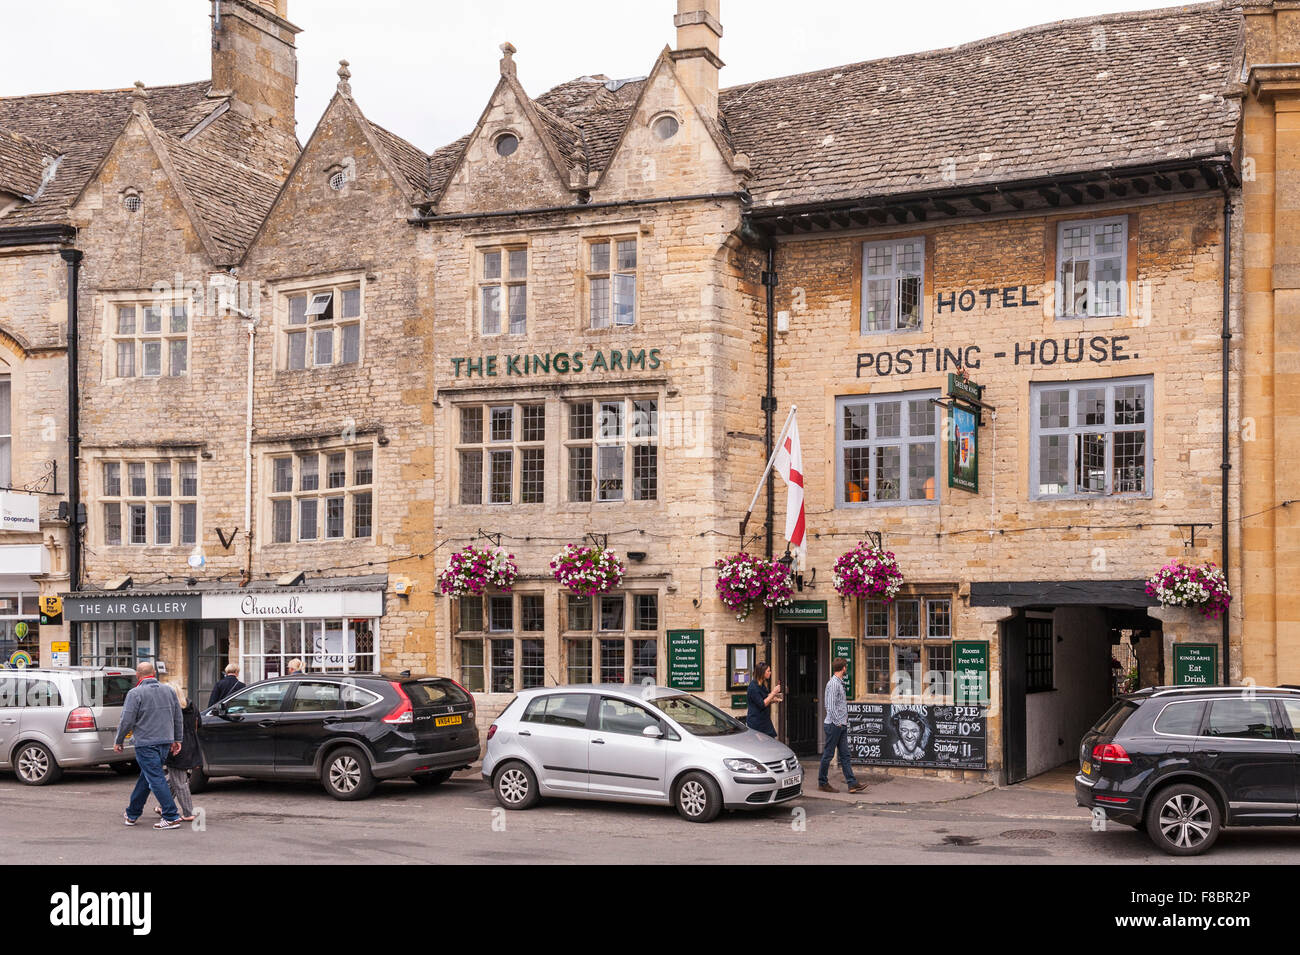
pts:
[73, 257]
[1225, 464]
[769, 423]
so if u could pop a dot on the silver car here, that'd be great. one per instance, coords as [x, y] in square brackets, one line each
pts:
[51, 720]
[627, 744]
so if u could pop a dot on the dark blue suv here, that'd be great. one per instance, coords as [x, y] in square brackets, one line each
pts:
[1183, 762]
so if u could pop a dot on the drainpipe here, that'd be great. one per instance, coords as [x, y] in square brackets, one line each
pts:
[73, 258]
[1225, 464]
[769, 419]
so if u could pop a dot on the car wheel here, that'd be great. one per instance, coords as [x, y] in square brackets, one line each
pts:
[436, 778]
[697, 798]
[35, 765]
[346, 774]
[125, 768]
[1183, 820]
[199, 780]
[516, 786]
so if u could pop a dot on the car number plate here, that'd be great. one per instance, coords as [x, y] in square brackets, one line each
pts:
[448, 721]
[791, 781]
[1087, 769]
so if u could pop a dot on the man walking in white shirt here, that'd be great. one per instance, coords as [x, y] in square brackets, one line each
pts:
[837, 731]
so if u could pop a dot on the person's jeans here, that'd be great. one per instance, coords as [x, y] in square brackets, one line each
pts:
[153, 781]
[837, 739]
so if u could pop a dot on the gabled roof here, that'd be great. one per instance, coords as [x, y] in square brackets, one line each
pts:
[23, 162]
[82, 126]
[1066, 97]
[409, 161]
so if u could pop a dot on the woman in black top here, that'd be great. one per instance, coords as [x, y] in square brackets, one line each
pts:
[759, 714]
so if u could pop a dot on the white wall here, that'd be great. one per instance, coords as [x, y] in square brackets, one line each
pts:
[1083, 689]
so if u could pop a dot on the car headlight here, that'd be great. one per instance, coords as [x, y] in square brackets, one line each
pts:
[744, 766]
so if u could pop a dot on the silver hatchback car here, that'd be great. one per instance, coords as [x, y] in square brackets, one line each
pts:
[55, 719]
[626, 744]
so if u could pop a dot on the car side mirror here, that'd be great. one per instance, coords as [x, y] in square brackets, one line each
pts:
[653, 731]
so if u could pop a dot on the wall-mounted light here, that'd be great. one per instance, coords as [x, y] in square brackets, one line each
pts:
[636, 555]
[291, 579]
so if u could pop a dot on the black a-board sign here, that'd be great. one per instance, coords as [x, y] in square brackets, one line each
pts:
[923, 735]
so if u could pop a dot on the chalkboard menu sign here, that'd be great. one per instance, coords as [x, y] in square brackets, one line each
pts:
[923, 735]
[686, 659]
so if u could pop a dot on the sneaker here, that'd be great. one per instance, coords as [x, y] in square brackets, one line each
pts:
[858, 788]
[128, 820]
[164, 824]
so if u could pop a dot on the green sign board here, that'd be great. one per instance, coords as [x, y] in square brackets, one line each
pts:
[740, 701]
[1196, 664]
[802, 611]
[970, 672]
[963, 449]
[686, 659]
[964, 389]
[844, 648]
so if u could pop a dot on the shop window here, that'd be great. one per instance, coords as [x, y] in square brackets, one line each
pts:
[20, 627]
[118, 643]
[150, 340]
[1040, 672]
[149, 502]
[328, 645]
[893, 281]
[322, 495]
[611, 282]
[887, 449]
[501, 454]
[612, 450]
[1091, 439]
[908, 646]
[503, 290]
[322, 327]
[1091, 267]
[614, 636]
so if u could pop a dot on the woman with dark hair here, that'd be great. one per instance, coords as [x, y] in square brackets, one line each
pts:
[758, 716]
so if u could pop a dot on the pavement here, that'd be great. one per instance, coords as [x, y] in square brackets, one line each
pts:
[898, 821]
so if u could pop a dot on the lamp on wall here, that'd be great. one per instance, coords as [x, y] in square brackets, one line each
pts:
[291, 579]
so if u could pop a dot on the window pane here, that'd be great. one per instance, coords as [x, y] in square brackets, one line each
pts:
[1053, 464]
[297, 350]
[909, 302]
[152, 320]
[126, 359]
[112, 479]
[920, 417]
[112, 524]
[876, 617]
[610, 478]
[646, 608]
[324, 346]
[580, 476]
[645, 472]
[162, 524]
[501, 480]
[503, 423]
[877, 305]
[518, 263]
[878, 669]
[298, 310]
[471, 613]
[611, 419]
[627, 254]
[471, 425]
[126, 319]
[599, 303]
[1054, 408]
[351, 302]
[178, 357]
[336, 469]
[533, 423]
[334, 517]
[283, 475]
[939, 619]
[189, 523]
[600, 257]
[579, 613]
[136, 472]
[579, 661]
[1130, 404]
[920, 472]
[645, 667]
[645, 419]
[581, 421]
[308, 472]
[856, 480]
[180, 320]
[471, 477]
[139, 524]
[624, 299]
[908, 619]
[886, 466]
[362, 515]
[152, 359]
[1090, 406]
[491, 265]
[857, 422]
[282, 521]
[471, 665]
[532, 475]
[889, 420]
[162, 479]
[611, 612]
[307, 519]
[518, 305]
[351, 345]
[1130, 462]
[363, 467]
[611, 661]
[491, 309]
[1241, 719]
[532, 613]
[532, 663]
[1091, 463]
[501, 613]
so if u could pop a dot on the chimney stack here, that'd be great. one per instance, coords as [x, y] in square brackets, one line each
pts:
[699, 30]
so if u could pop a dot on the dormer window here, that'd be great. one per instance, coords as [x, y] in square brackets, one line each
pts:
[506, 144]
[665, 127]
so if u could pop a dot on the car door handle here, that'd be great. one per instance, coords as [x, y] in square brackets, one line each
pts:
[525, 733]
[1212, 754]
[6, 722]
[266, 724]
[600, 741]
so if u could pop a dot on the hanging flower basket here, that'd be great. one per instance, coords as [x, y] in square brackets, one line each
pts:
[744, 580]
[472, 571]
[1203, 588]
[867, 572]
[587, 570]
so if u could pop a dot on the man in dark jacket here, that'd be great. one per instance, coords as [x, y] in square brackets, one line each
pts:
[152, 715]
[227, 685]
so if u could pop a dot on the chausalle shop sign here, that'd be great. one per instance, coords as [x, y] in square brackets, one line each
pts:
[557, 363]
[1041, 352]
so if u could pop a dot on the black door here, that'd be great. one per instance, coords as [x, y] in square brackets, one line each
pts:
[209, 652]
[801, 690]
[1015, 748]
[242, 741]
[317, 711]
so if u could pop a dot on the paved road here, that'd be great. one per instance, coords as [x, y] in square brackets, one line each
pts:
[79, 821]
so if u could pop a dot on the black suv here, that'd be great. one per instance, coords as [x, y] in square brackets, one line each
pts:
[1184, 762]
[347, 730]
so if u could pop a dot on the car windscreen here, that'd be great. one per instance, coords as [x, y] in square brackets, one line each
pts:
[697, 717]
[435, 693]
[104, 690]
[1116, 716]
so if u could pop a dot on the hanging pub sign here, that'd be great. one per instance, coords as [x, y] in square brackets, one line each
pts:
[963, 434]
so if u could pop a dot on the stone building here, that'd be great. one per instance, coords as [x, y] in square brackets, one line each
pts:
[309, 375]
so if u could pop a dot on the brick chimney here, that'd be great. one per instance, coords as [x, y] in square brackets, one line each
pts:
[255, 62]
[698, 32]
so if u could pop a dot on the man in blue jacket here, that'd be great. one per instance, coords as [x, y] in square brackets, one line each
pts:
[152, 714]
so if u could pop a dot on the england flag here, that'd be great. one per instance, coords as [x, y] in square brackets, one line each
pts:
[788, 463]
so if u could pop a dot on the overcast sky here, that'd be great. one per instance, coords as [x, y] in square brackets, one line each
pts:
[425, 69]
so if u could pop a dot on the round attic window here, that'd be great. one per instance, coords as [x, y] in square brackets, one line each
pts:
[132, 202]
[338, 180]
[507, 143]
[665, 127]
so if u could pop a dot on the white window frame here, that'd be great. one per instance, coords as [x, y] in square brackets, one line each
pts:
[1075, 430]
[610, 275]
[310, 325]
[896, 276]
[1065, 287]
[903, 441]
[500, 287]
[253, 664]
[350, 491]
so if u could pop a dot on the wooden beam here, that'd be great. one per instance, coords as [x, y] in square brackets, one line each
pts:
[785, 226]
[1013, 200]
[1075, 195]
[879, 216]
[1164, 182]
[841, 220]
[1096, 191]
[1053, 198]
[900, 215]
[1210, 176]
[1118, 188]
[980, 204]
[947, 208]
[1187, 179]
[860, 218]
[918, 213]
[820, 221]
[1142, 186]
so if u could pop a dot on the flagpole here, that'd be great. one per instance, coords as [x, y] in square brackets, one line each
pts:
[776, 448]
